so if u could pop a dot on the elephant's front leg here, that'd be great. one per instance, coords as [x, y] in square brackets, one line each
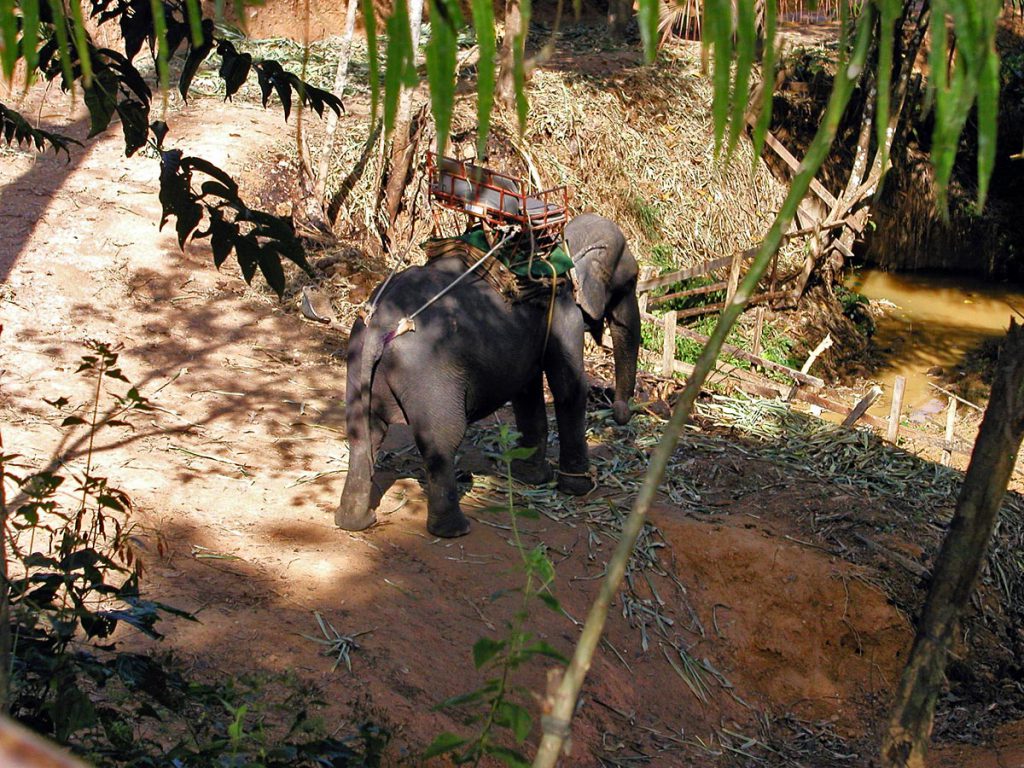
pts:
[564, 368]
[438, 436]
[532, 422]
[624, 323]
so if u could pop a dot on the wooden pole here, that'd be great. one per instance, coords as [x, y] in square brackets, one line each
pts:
[896, 409]
[734, 277]
[668, 351]
[861, 408]
[947, 452]
[758, 330]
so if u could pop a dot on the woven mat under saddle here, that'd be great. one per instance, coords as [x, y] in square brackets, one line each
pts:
[494, 271]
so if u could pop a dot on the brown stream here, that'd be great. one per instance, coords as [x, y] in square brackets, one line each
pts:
[934, 321]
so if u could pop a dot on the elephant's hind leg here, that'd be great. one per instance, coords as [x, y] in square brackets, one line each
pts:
[354, 512]
[532, 421]
[439, 432]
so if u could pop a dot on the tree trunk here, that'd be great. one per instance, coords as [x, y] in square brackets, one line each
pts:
[505, 91]
[402, 144]
[620, 13]
[340, 78]
[960, 559]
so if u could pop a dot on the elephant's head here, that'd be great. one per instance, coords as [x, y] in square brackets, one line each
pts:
[606, 273]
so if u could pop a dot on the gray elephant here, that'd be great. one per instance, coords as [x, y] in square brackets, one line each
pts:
[470, 352]
[606, 272]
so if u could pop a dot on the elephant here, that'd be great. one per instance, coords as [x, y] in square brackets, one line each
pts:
[470, 352]
[606, 273]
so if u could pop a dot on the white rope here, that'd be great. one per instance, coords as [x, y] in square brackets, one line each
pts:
[461, 277]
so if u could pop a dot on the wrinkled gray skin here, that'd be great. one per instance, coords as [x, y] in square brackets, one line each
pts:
[606, 271]
[471, 353]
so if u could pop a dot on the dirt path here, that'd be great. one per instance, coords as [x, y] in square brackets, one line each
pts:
[245, 456]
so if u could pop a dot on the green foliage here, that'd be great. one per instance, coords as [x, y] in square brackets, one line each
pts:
[497, 701]
[445, 23]
[15, 128]
[663, 257]
[73, 576]
[259, 240]
[647, 215]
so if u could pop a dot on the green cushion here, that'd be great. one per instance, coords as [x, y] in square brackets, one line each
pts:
[519, 262]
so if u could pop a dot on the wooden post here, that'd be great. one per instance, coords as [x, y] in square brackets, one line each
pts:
[734, 277]
[758, 330]
[896, 410]
[947, 452]
[861, 408]
[668, 351]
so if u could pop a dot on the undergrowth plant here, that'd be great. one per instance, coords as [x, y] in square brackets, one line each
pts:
[497, 704]
[70, 576]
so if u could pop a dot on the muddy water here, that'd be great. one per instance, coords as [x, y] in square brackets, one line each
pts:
[936, 319]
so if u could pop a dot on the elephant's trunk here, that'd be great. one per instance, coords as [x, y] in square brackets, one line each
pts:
[354, 513]
[625, 332]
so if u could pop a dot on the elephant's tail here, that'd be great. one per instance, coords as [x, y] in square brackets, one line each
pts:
[373, 351]
[354, 511]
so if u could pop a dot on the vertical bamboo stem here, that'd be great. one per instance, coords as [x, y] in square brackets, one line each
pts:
[668, 350]
[896, 409]
[947, 451]
[758, 330]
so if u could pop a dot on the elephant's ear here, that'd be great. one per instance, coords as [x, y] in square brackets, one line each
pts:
[592, 295]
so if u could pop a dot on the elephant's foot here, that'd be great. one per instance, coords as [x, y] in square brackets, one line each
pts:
[621, 412]
[449, 525]
[532, 472]
[352, 519]
[575, 483]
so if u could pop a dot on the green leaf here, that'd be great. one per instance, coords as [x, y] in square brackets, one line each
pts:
[445, 22]
[746, 37]
[647, 16]
[519, 452]
[63, 46]
[442, 743]
[162, 55]
[764, 116]
[718, 32]
[101, 100]
[508, 756]
[486, 649]
[81, 43]
[270, 266]
[519, 65]
[988, 106]
[399, 71]
[527, 513]
[541, 648]
[516, 718]
[483, 23]
[8, 38]
[462, 699]
[30, 35]
[550, 601]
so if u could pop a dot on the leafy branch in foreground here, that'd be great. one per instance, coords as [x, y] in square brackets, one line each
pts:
[494, 699]
[15, 128]
[71, 573]
[258, 239]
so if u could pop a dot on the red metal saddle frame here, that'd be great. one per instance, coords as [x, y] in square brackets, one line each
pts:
[497, 199]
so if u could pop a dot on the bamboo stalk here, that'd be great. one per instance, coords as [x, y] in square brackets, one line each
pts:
[896, 409]
[562, 703]
[668, 350]
[947, 453]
